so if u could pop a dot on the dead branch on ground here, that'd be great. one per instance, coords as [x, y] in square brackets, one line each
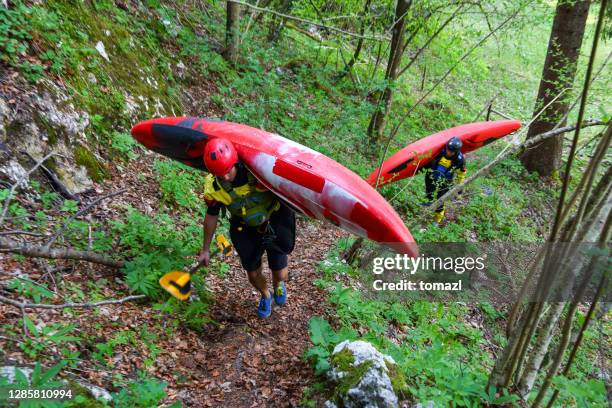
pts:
[39, 251]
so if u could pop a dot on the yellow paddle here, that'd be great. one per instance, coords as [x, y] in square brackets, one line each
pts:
[178, 283]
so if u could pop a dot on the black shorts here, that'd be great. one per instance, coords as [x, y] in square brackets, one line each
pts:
[250, 241]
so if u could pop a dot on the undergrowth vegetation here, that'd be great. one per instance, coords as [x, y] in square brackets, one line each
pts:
[158, 53]
[444, 351]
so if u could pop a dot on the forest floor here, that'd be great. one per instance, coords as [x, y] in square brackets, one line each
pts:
[237, 360]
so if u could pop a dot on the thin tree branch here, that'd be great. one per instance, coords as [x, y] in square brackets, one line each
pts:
[349, 66]
[17, 232]
[39, 251]
[487, 105]
[430, 39]
[503, 115]
[81, 212]
[24, 306]
[314, 23]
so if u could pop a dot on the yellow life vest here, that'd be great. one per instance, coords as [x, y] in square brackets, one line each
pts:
[247, 202]
[444, 162]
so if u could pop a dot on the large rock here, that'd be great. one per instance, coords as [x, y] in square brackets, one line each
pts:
[39, 123]
[363, 376]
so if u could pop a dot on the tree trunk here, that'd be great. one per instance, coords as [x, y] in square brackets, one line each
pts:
[558, 74]
[232, 32]
[377, 122]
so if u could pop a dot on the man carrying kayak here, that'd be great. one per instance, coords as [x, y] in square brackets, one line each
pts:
[442, 169]
[259, 221]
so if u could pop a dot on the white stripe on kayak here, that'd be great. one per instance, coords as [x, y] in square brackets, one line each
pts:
[340, 202]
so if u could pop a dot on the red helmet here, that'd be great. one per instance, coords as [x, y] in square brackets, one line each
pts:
[219, 156]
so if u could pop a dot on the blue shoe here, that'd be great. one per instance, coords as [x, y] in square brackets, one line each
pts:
[280, 294]
[265, 307]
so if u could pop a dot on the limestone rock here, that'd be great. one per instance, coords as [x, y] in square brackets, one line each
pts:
[41, 123]
[102, 50]
[362, 376]
[12, 171]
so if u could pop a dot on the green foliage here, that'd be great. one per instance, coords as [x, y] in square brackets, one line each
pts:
[39, 380]
[124, 144]
[4, 193]
[439, 356]
[580, 392]
[33, 290]
[48, 198]
[15, 38]
[107, 349]
[155, 246]
[148, 338]
[197, 49]
[192, 314]
[324, 339]
[179, 184]
[52, 334]
[70, 206]
[142, 393]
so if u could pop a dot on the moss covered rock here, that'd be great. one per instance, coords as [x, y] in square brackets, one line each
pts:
[363, 376]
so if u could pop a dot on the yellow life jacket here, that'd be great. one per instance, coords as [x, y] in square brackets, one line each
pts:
[247, 202]
[444, 162]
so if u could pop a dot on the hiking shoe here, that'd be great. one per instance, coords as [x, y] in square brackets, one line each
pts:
[265, 307]
[280, 294]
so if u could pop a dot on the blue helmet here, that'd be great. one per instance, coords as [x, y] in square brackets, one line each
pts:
[454, 144]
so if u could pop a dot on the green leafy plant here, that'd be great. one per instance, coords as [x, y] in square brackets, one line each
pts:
[145, 393]
[106, 349]
[179, 184]
[324, 339]
[70, 206]
[155, 245]
[39, 380]
[48, 198]
[52, 334]
[33, 290]
[192, 314]
[124, 144]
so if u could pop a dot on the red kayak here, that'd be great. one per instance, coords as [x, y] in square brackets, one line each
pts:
[411, 158]
[310, 181]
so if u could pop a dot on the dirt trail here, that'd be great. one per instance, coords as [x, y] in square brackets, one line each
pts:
[249, 361]
[246, 361]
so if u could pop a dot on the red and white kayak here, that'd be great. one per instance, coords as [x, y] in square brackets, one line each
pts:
[411, 158]
[310, 181]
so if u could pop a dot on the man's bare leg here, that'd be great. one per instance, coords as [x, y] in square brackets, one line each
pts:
[259, 281]
[279, 276]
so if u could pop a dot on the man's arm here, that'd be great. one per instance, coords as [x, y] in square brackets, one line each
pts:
[210, 226]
